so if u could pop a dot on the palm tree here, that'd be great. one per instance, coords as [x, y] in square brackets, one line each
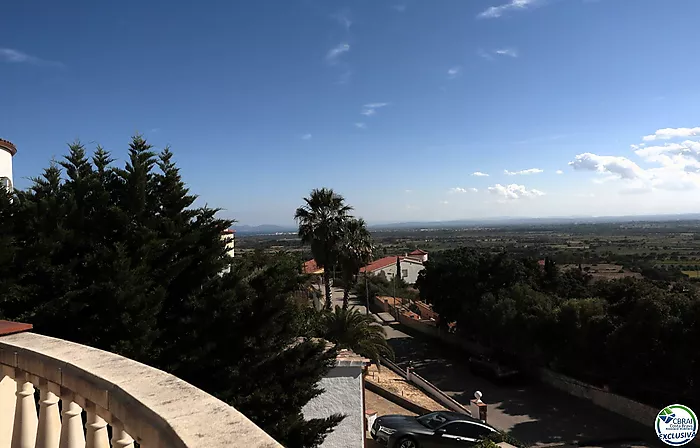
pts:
[350, 329]
[321, 220]
[355, 251]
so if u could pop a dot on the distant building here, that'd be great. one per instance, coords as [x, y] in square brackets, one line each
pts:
[419, 254]
[411, 264]
[7, 151]
[229, 237]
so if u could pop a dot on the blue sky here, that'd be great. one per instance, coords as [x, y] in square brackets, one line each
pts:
[393, 103]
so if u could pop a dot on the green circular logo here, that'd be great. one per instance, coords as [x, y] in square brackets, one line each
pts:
[676, 425]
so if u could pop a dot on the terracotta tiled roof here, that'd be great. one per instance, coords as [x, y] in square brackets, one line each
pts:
[310, 267]
[379, 264]
[228, 232]
[388, 261]
[9, 146]
[418, 252]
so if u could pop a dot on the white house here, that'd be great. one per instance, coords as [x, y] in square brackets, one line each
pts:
[7, 151]
[343, 393]
[411, 264]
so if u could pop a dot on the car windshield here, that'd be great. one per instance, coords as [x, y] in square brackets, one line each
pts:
[433, 420]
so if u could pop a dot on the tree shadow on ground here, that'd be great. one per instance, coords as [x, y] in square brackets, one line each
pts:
[534, 413]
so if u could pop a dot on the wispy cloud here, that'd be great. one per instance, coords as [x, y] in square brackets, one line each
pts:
[479, 174]
[514, 191]
[523, 172]
[512, 52]
[454, 72]
[399, 8]
[497, 11]
[444, 202]
[484, 54]
[492, 54]
[343, 18]
[335, 52]
[408, 191]
[344, 77]
[17, 57]
[463, 190]
[306, 137]
[360, 125]
[559, 172]
[371, 108]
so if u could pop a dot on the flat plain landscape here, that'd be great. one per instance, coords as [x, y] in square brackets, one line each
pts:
[654, 249]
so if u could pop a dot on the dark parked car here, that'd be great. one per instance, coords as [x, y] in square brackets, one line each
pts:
[496, 372]
[437, 429]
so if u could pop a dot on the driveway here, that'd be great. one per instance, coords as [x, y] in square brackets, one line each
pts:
[535, 414]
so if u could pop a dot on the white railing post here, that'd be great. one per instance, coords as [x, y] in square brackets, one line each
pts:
[96, 429]
[49, 430]
[71, 424]
[8, 387]
[24, 428]
[120, 439]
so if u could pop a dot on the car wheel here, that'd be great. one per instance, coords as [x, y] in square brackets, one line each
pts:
[407, 442]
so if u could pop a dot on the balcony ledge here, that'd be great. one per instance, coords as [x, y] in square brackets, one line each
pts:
[155, 408]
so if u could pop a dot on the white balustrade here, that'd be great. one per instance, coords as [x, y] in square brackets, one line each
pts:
[140, 403]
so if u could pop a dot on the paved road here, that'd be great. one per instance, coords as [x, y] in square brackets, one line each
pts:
[535, 414]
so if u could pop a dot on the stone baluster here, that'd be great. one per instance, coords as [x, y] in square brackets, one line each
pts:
[49, 431]
[8, 388]
[96, 429]
[120, 439]
[71, 424]
[24, 429]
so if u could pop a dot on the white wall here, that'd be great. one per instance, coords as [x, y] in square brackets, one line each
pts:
[343, 395]
[5, 164]
[412, 268]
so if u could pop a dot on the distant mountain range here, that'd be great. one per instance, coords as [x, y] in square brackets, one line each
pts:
[269, 229]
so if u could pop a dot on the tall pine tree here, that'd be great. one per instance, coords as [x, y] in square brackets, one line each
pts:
[120, 259]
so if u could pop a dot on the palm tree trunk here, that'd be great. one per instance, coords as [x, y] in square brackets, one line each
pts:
[327, 285]
[346, 295]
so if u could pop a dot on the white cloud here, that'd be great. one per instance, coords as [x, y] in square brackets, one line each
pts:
[523, 172]
[669, 133]
[306, 137]
[497, 11]
[444, 202]
[360, 125]
[17, 57]
[620, 166]
[371, 108]
[335, 52]
[560, 172]
[375, 105]
[479, 174]
[677, 166]
[461, 190]
[408, 191]
[512, 52]
[399, 8]
[454, 72]
[514, 191]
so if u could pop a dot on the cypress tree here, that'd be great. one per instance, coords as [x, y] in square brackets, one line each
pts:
[122, 260]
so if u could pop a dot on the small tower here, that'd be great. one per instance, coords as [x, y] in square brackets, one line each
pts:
[7, 151]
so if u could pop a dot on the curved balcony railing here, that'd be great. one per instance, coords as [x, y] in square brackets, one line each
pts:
[140, 403]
